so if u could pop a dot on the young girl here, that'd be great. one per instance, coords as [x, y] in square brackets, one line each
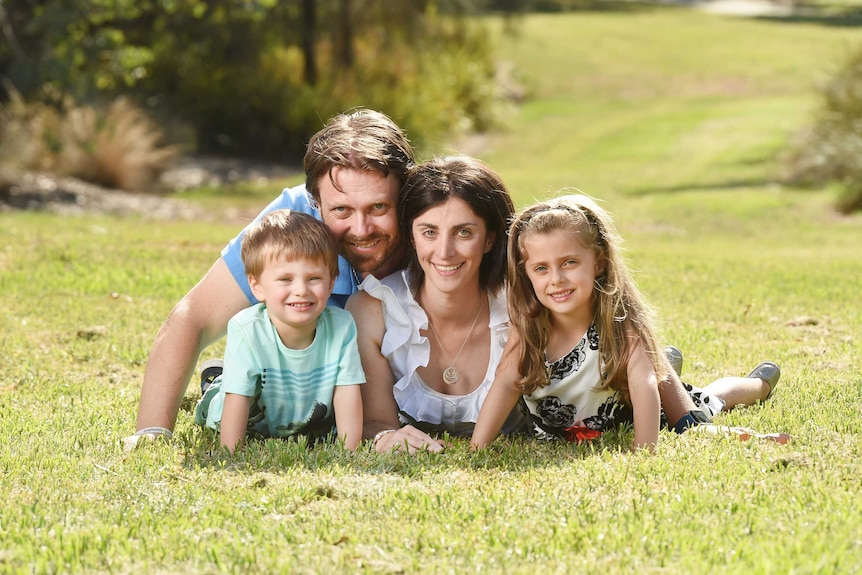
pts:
[583, 349]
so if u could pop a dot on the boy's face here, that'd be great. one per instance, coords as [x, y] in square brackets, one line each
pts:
[295, 291]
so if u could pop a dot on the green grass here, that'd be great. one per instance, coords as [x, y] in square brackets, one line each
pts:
[675, 120]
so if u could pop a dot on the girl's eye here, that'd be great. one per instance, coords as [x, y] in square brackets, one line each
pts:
[428, 233]
[571, 263]
[540, 269]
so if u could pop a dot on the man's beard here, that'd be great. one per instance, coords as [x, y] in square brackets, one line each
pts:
[367, 263]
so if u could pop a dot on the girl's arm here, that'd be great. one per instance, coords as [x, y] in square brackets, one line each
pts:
[643, 389]
[379, 408]
[234, 420]
[501, 398]
[347, 403]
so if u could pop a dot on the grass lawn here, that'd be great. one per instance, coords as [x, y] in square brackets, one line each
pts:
[674, 119]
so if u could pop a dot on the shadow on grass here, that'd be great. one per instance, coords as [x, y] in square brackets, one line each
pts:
[201, 451]
[703, 187]
[849, 18]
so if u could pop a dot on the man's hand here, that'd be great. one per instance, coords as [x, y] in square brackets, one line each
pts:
[146, 434]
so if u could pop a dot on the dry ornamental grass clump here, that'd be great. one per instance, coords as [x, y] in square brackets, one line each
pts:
[118, 146]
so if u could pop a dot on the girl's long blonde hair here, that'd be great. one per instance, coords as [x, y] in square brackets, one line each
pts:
[621, 315]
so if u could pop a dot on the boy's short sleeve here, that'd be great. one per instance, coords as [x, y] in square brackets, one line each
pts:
[350, 370]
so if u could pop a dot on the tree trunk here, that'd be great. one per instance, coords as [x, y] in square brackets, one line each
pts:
[345, 35]
[309, 37]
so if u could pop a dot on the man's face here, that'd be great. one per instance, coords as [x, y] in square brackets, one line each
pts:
[361, 214]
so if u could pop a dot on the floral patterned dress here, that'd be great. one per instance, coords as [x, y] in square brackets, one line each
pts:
[574, 408]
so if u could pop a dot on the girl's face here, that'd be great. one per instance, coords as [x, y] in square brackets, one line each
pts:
[563, 273]
[450, 241]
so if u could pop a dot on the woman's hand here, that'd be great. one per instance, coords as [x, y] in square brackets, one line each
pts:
[410, 438]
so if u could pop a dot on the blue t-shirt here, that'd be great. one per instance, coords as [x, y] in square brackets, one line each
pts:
[295, 198]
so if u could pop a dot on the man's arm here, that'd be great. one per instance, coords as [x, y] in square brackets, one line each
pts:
[199, 319]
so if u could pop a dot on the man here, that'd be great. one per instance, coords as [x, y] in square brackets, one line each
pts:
[354, 169]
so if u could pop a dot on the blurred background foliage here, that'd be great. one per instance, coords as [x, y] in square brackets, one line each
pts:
[111, 90]
[253, 77]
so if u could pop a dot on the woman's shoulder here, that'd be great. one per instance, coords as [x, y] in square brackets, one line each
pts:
[396, 284]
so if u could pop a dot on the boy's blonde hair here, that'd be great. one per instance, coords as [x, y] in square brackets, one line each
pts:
[621, 315]
[287, 234]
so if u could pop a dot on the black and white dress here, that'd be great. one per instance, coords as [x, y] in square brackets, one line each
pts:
[574, 408]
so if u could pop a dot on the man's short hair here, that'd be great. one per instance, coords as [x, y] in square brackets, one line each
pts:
[361, 140]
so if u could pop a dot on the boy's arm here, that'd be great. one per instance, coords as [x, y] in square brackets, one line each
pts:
[234, 420]
[501, 398]
[643, 390]
[347, 403]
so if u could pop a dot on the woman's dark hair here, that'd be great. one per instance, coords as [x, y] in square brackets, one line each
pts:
[433, 183]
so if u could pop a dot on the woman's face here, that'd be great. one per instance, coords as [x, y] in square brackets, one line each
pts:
[450, 241]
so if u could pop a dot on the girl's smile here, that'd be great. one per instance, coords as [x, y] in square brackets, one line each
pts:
[563, 273]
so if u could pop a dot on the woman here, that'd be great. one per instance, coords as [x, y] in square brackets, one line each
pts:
[431, 336]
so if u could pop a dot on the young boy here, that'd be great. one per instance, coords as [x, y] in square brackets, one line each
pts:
[291, 363]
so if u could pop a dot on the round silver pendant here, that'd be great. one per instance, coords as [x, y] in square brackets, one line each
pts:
[450, 375]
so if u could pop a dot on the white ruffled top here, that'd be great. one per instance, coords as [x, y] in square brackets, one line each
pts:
[407, 350]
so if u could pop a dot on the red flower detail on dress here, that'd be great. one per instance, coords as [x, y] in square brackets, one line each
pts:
[580, 433]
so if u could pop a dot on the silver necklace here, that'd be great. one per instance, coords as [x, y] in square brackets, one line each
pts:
[450, 374]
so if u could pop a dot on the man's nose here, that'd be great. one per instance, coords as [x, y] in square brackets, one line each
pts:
[361, 225]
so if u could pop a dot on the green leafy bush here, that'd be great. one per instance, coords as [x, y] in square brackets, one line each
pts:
[253, 77]
[830, 150]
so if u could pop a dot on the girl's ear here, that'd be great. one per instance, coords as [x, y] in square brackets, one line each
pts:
[601, 265]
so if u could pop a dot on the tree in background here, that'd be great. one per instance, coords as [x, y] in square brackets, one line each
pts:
[255, 77]
[830, 150]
